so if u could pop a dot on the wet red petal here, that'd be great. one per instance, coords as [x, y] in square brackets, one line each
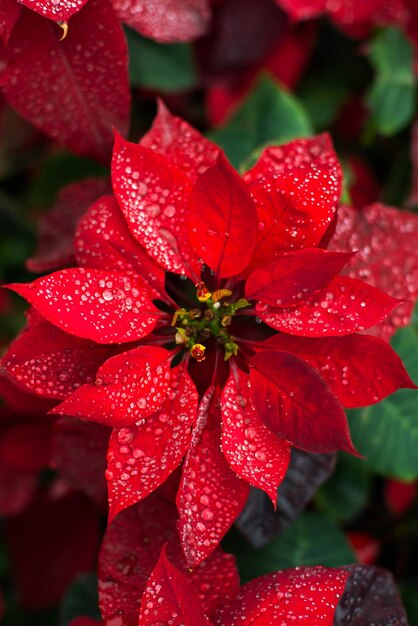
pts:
[360, 370]
[183, 145]
[294, 276]
[143, 455]
[345, 306]
[130, 551]
[223, 220]
[153, 196]
[169, 598]
[103, 241]
[248, 445]
[104, 306]
[57, 10]
[294, 209]
[165, 21]
[83, 78]
[210, 495]
[57, 226]
[294, 402]
[52, 363]
[79, 455]
[303, 595]
[128, 388]
[387, 258]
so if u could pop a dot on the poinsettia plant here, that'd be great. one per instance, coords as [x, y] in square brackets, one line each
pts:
[241, 333]
[208, 411]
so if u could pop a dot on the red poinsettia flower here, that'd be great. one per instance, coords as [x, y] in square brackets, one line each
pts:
[205, 321]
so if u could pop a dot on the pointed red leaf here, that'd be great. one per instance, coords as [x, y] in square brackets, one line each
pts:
[130, 551]
[294, 276]
[165, 21]
[104, 306]
[79, 455]
[57, 10]
[169, 598]
[153, 196]
[57, 226]
[294, 210]
[83, 79]
[294, 402]
[387, 258]
[359, 369]
[142, 456]
[104, 241]
[248, 445]
[345, 306]
[315, 151]
[223, 220]
[210, 495]
[52, 363]
[128, 388]
[182, 144]
[305, 595]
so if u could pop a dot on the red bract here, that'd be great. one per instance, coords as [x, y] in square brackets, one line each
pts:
[74, 90]
[165, 20]
[242, 248]
[387, 257]
[58, 10]
[305, 595]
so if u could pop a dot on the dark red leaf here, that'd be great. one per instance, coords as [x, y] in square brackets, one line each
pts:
[165, 21]
[169, 598]
[223, 220]
[128, 388]
[79, 455]
[294, 276]
[153, 196]
[57, 10]
[25, 446]
[85, 621]
[305, 595]
[104, 241]
[52, 363]
[183, 146]
[57, 226]
[104, 306]
[387, 258]
[210, 495]
[143, 455]
[294, 402]
[360, 370]
[46, 533]
[344, 306]
[247, 443]
[370, 597]
[83, 79]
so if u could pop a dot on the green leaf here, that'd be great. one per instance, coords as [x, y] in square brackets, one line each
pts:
[387, 433]
[311, 540]
[80, 599]
[163, 67]
[392, 95]
[270, 115]
[347, 492]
